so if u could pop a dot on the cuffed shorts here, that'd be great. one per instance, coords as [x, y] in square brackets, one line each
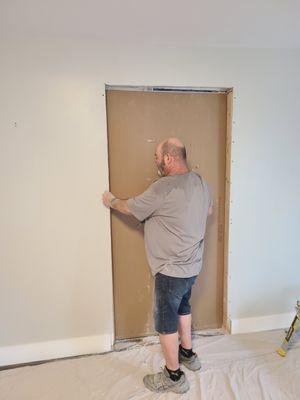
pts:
[171, 299]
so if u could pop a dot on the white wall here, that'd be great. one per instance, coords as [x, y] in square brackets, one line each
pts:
[55, 238]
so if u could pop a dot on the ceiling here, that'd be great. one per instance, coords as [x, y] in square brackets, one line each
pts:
[214, 23]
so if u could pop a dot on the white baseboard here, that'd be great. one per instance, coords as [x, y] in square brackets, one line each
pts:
[263, 323]
[10, 355]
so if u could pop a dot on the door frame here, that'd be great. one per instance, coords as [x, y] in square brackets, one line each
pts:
[228, 91]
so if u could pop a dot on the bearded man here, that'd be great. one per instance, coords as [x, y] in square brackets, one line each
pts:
[174, 210]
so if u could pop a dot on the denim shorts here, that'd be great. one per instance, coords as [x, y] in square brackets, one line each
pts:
[171, 299]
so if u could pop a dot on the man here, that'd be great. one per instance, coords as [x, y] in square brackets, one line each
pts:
[175, 209]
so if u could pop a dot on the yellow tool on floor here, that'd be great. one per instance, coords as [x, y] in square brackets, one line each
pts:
[294, 326]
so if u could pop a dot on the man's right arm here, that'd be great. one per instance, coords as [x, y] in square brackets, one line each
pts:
[141, 206]
[110, 201]
[121, 206]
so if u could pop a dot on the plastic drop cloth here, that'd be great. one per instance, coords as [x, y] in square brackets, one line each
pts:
[242, 367]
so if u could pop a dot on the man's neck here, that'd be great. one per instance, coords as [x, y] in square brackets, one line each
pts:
[182, 169]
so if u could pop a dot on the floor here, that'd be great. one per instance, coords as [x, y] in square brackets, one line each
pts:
[242, 367]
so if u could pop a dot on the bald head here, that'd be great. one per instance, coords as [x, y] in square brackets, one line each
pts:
[175, 148]
[170, 157]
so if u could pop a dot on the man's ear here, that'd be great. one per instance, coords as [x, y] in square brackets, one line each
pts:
[168, 157]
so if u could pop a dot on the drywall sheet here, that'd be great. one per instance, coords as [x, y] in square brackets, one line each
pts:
[137, 122]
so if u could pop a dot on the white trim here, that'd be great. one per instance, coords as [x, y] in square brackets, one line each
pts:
[161, 88]
[263, 323]
[41, 351]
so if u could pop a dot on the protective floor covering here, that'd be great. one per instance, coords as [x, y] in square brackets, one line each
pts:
[234, 367]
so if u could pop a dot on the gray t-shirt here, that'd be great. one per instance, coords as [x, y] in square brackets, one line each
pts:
[175, 210]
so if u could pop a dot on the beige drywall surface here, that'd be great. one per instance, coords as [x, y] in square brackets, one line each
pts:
[55, 235]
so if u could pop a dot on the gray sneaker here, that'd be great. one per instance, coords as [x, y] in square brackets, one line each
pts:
[161, 382]
[193, 363]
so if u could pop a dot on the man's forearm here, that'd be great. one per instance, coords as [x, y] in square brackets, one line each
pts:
[120, 205]
[110, 201]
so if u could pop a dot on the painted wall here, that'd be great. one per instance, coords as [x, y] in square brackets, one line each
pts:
[56, 279]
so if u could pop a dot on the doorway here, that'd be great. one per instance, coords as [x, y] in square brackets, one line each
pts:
[137, 120]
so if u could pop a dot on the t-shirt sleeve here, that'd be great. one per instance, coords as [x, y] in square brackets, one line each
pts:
[144, 205]
[211, 199]
[209, 195]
